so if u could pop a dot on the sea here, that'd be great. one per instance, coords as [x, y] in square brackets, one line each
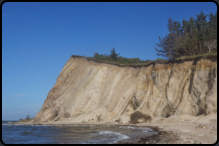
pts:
[71, 134]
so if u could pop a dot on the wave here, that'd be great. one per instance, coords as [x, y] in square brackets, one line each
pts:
[146, 129]
[10, 124]
[119, 136]
[44, 125]
[130, 127]
[17, 125]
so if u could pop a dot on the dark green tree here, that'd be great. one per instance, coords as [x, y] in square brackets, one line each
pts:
[96, 55]
[28, 117]
[166, 43]
[164, 50]
[201, 23]
[113, 54]
[196, 36]
[212, 25]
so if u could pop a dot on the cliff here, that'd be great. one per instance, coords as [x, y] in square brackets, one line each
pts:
[91, 92]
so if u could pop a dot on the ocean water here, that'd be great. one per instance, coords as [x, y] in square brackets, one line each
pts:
[70, 134]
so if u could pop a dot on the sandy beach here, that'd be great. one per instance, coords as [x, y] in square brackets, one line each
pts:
[184, 129]
[180, 133]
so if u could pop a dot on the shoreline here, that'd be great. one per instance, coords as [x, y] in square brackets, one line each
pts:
[168, 133]
[183, 129]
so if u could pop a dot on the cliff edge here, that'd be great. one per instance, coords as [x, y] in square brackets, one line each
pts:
[88, 91]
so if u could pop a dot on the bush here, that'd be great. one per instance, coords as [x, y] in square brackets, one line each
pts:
[96, 55]
[99, 118]
[66, 115]
[118, 120]
[159, 59]
[27, 119]
[136, 116]
[168, 111]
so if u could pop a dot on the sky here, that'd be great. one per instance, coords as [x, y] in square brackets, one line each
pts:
[38, 38]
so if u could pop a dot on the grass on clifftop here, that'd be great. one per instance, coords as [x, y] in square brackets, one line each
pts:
[28, 119]
[193, 56]
[122, 60]
[136, 61]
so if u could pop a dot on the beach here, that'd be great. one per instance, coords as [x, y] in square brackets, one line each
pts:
[184, 129]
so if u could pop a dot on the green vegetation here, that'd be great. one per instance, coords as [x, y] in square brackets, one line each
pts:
[113, 54]
[136, 61]
[113, 58]
[28, 119]
[194, 37]
[136, 116]
[159, 59]
[99, 118]
[193, 56]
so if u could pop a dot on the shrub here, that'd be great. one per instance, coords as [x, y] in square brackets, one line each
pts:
[168, 111]
[66, 115]
[118, 120]
[27, 119]
[159, 59]
[136, 116]
[99, 118]
[96, 55]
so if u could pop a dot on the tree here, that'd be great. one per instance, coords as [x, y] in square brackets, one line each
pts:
[201, 23]
[196, 36]
[212, 25]
[96, 55]
[166, 44]
[113, 54]
[28, 117]
[165, 48]
[180, 47]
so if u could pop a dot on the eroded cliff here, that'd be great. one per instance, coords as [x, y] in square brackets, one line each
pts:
[89, 91]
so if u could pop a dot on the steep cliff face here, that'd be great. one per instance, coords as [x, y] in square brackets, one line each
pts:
[89, 91]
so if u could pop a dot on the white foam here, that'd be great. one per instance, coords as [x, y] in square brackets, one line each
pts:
[147, 129]
[119, 136]
[130, 127]
[43, 125]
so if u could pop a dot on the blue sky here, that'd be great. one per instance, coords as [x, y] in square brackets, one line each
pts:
[39, 38]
